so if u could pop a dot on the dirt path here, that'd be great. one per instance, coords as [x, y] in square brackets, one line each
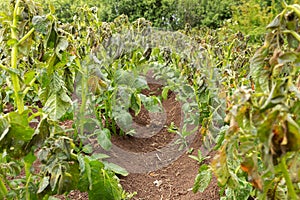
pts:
[144, 157]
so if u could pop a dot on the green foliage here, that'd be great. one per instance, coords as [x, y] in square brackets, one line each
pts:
[171, 14]
[252, 17]
[204, 13]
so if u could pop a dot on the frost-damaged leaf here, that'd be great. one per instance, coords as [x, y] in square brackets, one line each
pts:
[57, 105]
[123, 119]
[61, 46]
[43, 184]
[141, 83]
[275, 23]
[4, 127]
[151, 103]
[115, 168]
[103, 137]
[41, 24]
[293, 134]
[87, 149]
[56, 174]
[288, 57]
[202, 179]
[40, 133]
[219, 165]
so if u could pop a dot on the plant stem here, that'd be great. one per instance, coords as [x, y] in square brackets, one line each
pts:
[14, 60]
[291, 192]
[83, 95]
[30, 85]
[3, 190]
[9, 70]
[25, 36]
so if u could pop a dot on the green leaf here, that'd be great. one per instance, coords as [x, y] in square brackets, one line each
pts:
[99, 156]
[57, 105]
[28, 76]
[53, 198]
[103, 137]
[136, 103]
[12, 42]
[203, 179]
[293, 134]
[29, 159]
[19, 126]
[140, 83]
[115, 168]
[110, 188]
[4, 128]
[151, 103]
[165, 92]
[87, 149]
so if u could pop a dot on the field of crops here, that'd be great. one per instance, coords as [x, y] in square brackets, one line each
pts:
[172, 106]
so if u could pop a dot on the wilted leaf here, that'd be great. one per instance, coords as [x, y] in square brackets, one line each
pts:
[43, 184]
[103, 137]
[87, 149]
[41, 24]
[61, 46]
[287, 57]
[57, 105]
[124, 120]
[136, 103]
[275, 23]
[203, 179]
[116, 168]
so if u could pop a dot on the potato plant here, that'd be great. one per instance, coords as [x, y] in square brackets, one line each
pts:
[39, 60]
[258, 151]
[93, 73]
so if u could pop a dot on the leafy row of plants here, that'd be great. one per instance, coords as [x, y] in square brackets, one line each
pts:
[89, 72]
[258, 148]
[40, 61]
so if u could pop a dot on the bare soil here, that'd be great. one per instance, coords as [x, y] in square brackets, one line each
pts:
[172, 182]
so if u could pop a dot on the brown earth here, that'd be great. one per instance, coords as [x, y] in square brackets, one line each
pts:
[172, 182]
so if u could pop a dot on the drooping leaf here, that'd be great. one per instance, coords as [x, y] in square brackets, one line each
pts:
[61, 47]
[123, 120]
[43, 184]
[105, 180]
[136, 103]
[57, 105]
[275, 23]
[87, 149]
[103, 138]
[116, 168]
[41, 24]
[202, 179]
